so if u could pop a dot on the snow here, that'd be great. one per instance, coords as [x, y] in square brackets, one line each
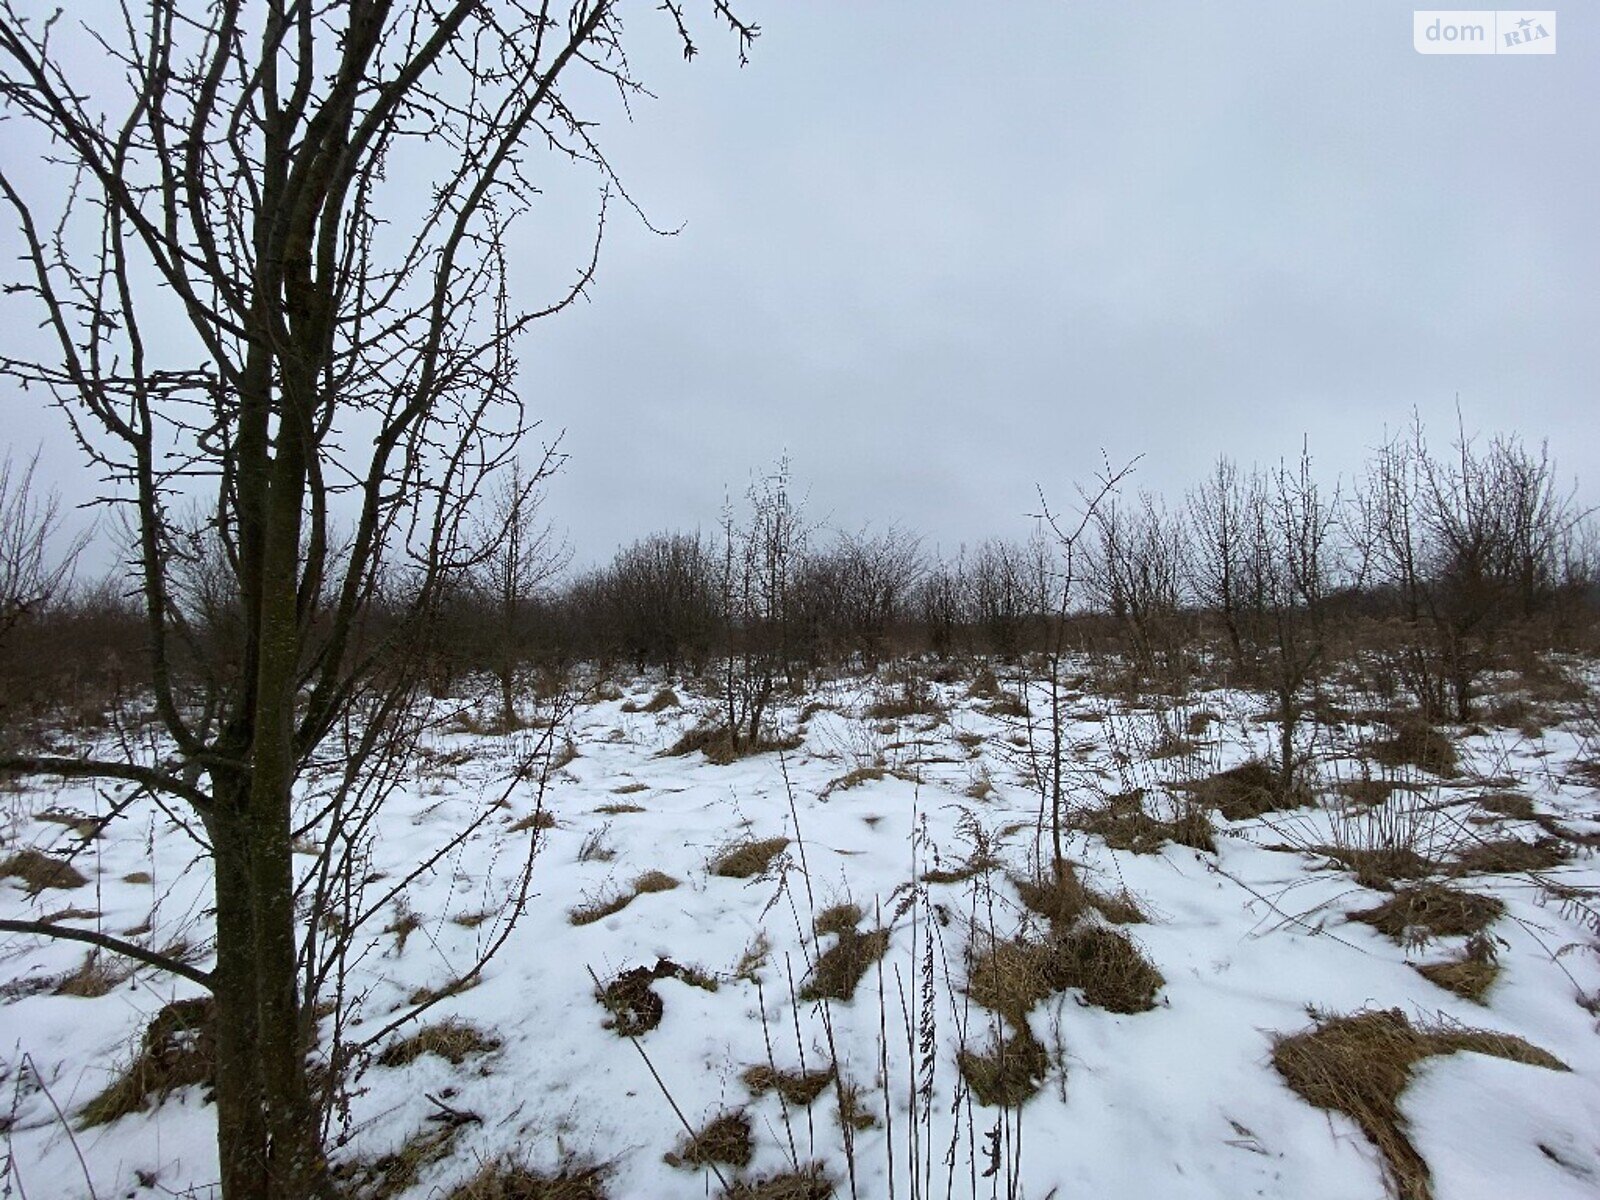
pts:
[1181, 1101]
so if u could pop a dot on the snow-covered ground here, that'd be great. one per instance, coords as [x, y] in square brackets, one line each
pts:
[1178, 1101]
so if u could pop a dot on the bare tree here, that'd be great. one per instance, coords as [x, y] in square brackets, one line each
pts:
[760, 561]
[523, 555]
[33, 568]
[251, 302]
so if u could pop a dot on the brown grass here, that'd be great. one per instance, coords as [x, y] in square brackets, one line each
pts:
[453, 987]
[82, 825]
[1415, 743]
[808, 1183]
[1124, 824]
[629, 789]
[747, 859]
[1414, 914]
[391, 1174]
[403, 926]
[514, 1181]
[541, 819]
[721, 749]
[40, 871]
[1010, 1073]
[599, 908]
[1251, 789]
[1379, 868]
[1060, 901]
[606, 904]
[136, 877]
[908, 701]
[1008, 704]
[178, 1049]
[1471, 973]
[664, 699]
[852, 1112]
[853, 779]
[632, 1001]
[1064, 899]
[1359, 1065]
[1011, 977]
[727, 1139]
[1509, 804]
[1506, 855]
[841, 967]
[450, 1040]
[94, 977]
[798, 1088]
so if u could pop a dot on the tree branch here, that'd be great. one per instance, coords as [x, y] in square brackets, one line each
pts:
[84, 768]
[116, 945]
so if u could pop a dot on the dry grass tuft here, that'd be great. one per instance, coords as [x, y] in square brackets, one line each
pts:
[1109, 969]
[541, 819]
[1251, 789]
[1064, 899]
[1124, 824]
[452, 987]
[94, 977]
[391, 1174]
[798, 1088]
[654, 881]
[728, 1139]
[1507, 855]
[911, 699]
[840, 968]
[852, 1112]
[405, 923]
[1470, 974]
[1358, 1065]
[40, 871]
[1509, 804]
[513, 1181]
[721, 749]
[1415, 743]
[1011, 977]
[840, 919]
[598, 909]
[632, 1001]
[1415, 914]
[1010, 1073]
[808, 1183]
[608, 903]
[664, 699]
[747, 859]
[82, 825]
[1061, 901]
[1378, 868]
[619, 810]
[178, 1050]
[853, 779]
[451, 1040]
[1008, 705]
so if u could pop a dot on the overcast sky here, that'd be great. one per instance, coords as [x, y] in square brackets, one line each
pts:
[941, 254]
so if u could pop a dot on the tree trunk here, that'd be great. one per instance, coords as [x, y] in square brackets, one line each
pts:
[294, 1163]
[241, 1122]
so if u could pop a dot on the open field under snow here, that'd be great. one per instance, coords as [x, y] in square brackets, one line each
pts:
[1179, 1100]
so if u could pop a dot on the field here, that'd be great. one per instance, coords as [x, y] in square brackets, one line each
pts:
[847, 964]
